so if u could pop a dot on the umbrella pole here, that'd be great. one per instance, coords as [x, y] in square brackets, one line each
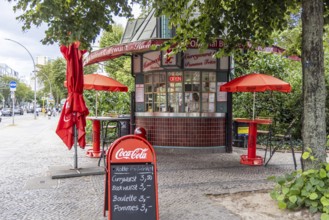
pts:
[96, 102]
[75, 147]
[253, 107]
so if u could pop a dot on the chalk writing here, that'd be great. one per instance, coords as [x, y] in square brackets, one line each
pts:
[132, 191]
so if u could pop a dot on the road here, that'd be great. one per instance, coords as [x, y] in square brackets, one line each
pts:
[8, 120]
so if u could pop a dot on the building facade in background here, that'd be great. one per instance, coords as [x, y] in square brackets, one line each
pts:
[5, 70]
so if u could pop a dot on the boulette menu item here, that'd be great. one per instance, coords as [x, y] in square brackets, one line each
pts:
[132, 192]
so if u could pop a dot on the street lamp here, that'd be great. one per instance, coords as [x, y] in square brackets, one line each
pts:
[35, 76]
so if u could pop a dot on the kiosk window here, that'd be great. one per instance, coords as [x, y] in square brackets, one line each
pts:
[192, 91]
[178, 91]
[155, 92]
[208, 91]
[148, 92]
[175, 92]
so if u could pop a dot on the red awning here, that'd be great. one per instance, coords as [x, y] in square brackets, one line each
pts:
[115, 51]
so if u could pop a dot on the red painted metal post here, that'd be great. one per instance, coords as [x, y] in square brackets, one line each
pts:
[95, 151]
[252, 140]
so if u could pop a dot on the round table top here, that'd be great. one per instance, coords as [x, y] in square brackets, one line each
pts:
[255, 121]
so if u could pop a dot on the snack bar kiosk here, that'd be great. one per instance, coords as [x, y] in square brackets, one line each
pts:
[177, 98]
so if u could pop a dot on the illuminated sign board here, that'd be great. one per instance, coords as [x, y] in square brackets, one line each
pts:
[175, 79]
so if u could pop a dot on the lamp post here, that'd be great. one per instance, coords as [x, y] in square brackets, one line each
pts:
[35, 76]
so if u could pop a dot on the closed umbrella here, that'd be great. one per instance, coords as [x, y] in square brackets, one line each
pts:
[99, 82]
[72, 122]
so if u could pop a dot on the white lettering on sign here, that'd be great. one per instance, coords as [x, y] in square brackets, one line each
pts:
[131, 208]
[138, 153]
[125, 198]
[122, 180]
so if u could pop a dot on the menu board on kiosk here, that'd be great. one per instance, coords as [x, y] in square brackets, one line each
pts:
[131, 180]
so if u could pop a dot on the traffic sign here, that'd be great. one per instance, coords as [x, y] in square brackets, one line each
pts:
[12, 85]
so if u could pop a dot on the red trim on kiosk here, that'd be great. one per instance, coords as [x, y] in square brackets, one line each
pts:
[131, 187]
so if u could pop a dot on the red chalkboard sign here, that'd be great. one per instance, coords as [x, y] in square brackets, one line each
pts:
[131, 180]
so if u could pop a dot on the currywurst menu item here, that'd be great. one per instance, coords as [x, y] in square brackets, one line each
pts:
[132, 192]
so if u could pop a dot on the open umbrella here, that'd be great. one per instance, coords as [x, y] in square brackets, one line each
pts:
[100, 82]
[255, 82]
[72, 122]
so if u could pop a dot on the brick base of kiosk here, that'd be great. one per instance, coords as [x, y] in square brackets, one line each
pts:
[131, 190]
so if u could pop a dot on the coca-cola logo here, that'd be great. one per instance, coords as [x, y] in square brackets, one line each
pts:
[138, 153]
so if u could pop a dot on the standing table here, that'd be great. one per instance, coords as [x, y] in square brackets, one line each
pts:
[251, 158]
[98, 133]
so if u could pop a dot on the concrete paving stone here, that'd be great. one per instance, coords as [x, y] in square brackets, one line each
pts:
[31, 150]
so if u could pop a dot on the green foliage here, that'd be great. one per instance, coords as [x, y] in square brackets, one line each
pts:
[282, 107]
[236, 22]
[52, 76]
[119, 69]
[23, 92]
[304, 189]
[69, 21]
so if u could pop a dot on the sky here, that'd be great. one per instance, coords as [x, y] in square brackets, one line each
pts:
[14, 55]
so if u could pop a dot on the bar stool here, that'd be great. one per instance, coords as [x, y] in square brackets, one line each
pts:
[111, 133]
[280, 140]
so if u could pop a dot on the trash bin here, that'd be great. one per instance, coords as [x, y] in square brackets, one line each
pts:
[240, 134]
[124, 125]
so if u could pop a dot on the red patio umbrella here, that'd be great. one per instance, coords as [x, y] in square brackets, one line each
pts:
[72, 122]
[256, 82]
[97, 81]
[100, 82]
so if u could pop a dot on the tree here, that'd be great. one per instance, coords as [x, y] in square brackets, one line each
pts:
[53, 75]
[241, 22]
[119, 69]
[23, 93]
[69, 21]
[314, 90]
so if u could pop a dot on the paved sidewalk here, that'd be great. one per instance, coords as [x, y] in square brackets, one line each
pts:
[31, 148]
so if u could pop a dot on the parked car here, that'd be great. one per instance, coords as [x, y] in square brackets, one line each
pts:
[19, 111]
[6, 111]
[29, 110]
